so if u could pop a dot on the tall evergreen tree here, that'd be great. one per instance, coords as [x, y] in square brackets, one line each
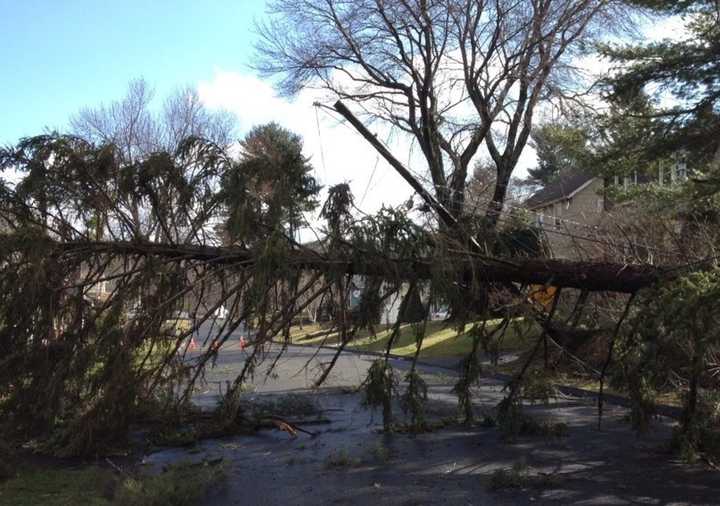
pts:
[271, 187]
[683, 72]
[560, 147]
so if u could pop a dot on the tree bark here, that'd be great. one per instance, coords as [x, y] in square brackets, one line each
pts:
[590, 276]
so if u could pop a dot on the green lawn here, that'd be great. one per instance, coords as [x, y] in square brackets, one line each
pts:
[441, 339]
[57, 487]
[183, 484]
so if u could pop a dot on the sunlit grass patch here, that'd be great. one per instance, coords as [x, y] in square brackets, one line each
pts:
[441, 339]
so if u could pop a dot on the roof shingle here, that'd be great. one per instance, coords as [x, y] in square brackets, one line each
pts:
[562, 188]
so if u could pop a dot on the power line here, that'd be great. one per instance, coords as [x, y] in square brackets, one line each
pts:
[594, 228]
[567, 233]
[320, 141]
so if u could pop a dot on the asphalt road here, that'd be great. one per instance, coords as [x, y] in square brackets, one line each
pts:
[454, 465]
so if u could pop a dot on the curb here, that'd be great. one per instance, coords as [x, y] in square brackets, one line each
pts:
[660, 409]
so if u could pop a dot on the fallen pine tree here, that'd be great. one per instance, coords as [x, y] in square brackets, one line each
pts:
[102, 257]
[591, 276]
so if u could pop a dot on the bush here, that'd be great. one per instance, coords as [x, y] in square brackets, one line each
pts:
[180, 485]
[414, 399]
[515, 477]
[702, 436]
[537, 386]
[381, 453]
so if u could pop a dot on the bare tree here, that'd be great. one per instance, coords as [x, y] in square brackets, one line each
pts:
[453, 74]
[136, 132]
[127, 123]
[184, 115]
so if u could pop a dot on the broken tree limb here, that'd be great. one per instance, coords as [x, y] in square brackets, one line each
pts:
[444, 214]
[590, 276]
[516, 382]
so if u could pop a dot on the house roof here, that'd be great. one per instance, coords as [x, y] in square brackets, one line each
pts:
[565, 187]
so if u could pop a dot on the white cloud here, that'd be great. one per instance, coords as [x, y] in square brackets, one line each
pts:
[338, 153]
[670, 27]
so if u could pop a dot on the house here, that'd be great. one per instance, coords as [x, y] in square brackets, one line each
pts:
[567, 207]
[577, 217]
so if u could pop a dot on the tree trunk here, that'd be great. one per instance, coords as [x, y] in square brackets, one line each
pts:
[590, 276]
[691, 407]
[497, 203]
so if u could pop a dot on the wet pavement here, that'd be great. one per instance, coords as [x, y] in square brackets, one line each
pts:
[351, 462]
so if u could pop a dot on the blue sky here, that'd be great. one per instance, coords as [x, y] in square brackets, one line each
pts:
[60, 55]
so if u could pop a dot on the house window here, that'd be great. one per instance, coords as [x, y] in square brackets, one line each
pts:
[599, 205]
[558, 222]
[540, 219]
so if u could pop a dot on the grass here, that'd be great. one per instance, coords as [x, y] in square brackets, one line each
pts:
[586, 382]
[180, 485]
[177, 326]
[441, 339]
[59, 487]
[298, 333]
[670, 398]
